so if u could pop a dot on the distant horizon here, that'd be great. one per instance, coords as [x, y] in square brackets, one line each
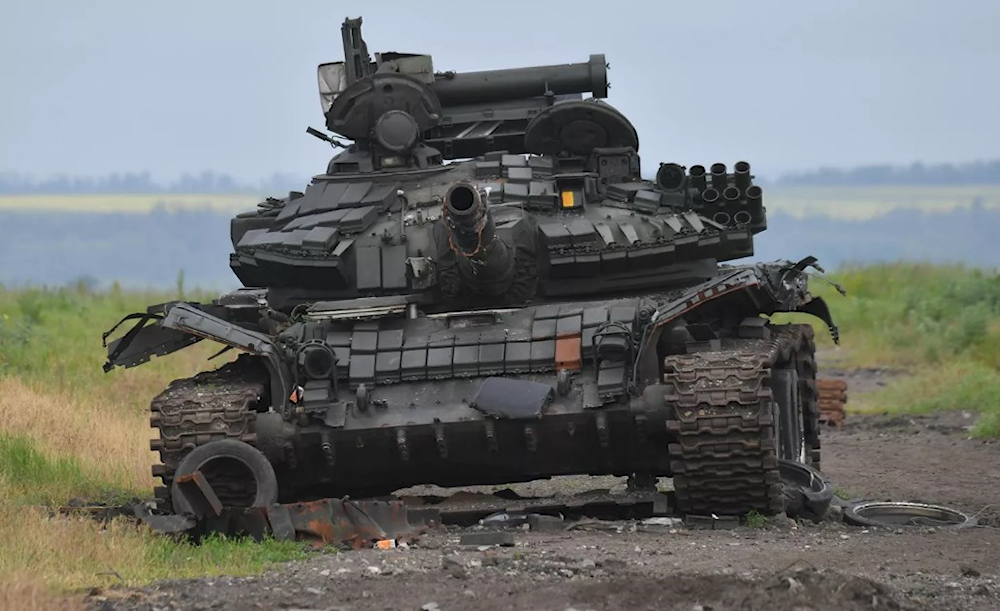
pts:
[974, 173]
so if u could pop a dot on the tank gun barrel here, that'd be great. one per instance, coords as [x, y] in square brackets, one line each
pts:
[458, 88]
[485, 262]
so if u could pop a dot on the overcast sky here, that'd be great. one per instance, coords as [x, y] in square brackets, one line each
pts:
[105, 86]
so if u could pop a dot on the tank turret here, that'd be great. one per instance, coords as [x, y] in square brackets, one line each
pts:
[458, 115]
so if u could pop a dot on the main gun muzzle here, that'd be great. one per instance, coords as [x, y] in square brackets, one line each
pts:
[485, 262]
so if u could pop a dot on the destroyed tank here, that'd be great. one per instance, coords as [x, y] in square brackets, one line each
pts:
[483, 289]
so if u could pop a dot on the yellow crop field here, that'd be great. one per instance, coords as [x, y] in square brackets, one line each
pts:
[857, 203]
[860, 203]
[121, 202]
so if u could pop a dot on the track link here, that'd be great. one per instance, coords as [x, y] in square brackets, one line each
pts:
[723, 455]
[213, 405]
[805, 365]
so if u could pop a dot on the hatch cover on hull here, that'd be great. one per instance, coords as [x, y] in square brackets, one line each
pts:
[511, 398]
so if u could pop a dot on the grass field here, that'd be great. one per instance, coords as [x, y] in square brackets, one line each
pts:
[940, 325]
[119, 202]
[67, 430]
[837, 202]
[860, 203]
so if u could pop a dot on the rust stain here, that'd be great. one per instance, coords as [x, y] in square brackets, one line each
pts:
[568, 352]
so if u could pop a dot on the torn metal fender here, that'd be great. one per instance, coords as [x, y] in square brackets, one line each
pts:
[146, 338]
[788, 286]
[818, 308]
[780, 286]
[188, 318]
[167, 328]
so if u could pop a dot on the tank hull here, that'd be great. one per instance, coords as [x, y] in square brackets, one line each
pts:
[377, 461]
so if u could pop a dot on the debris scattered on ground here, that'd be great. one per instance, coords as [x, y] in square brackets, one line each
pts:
[504, 519]
[893, 514]
[917, 567]
[541, 522]
[807, 493]
[711, 522]
[505, 539]
[668, 522]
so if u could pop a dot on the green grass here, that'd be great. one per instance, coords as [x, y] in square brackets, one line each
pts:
[68, 430]
[910, 315]
[71, 552]
[755, 519]
[29, 476]
[217, 555]
[962, 384]
[940, 325]
[844, 493]
[53, 335]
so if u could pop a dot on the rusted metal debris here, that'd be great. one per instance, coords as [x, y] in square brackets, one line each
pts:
[353, 524]
[356, 524]
[199, 494]
[360, 524]
[347, 522]
[832, 398]
[363, 523]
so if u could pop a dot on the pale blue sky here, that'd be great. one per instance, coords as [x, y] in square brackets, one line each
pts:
[104, 86]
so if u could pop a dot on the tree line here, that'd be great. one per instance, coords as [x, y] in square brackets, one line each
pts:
[208, 181]
[943, 174]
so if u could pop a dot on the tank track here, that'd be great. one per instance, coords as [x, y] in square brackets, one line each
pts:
[805, 364]
[191, 412]
[724, 457]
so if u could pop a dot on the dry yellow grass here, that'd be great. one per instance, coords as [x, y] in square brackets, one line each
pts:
[108, 436]
[26, 594]
[69, 554]
[103, 430]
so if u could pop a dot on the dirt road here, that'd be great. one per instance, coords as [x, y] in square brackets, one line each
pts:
[781, 566]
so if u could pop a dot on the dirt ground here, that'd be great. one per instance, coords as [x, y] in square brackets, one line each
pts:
[784, 565]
